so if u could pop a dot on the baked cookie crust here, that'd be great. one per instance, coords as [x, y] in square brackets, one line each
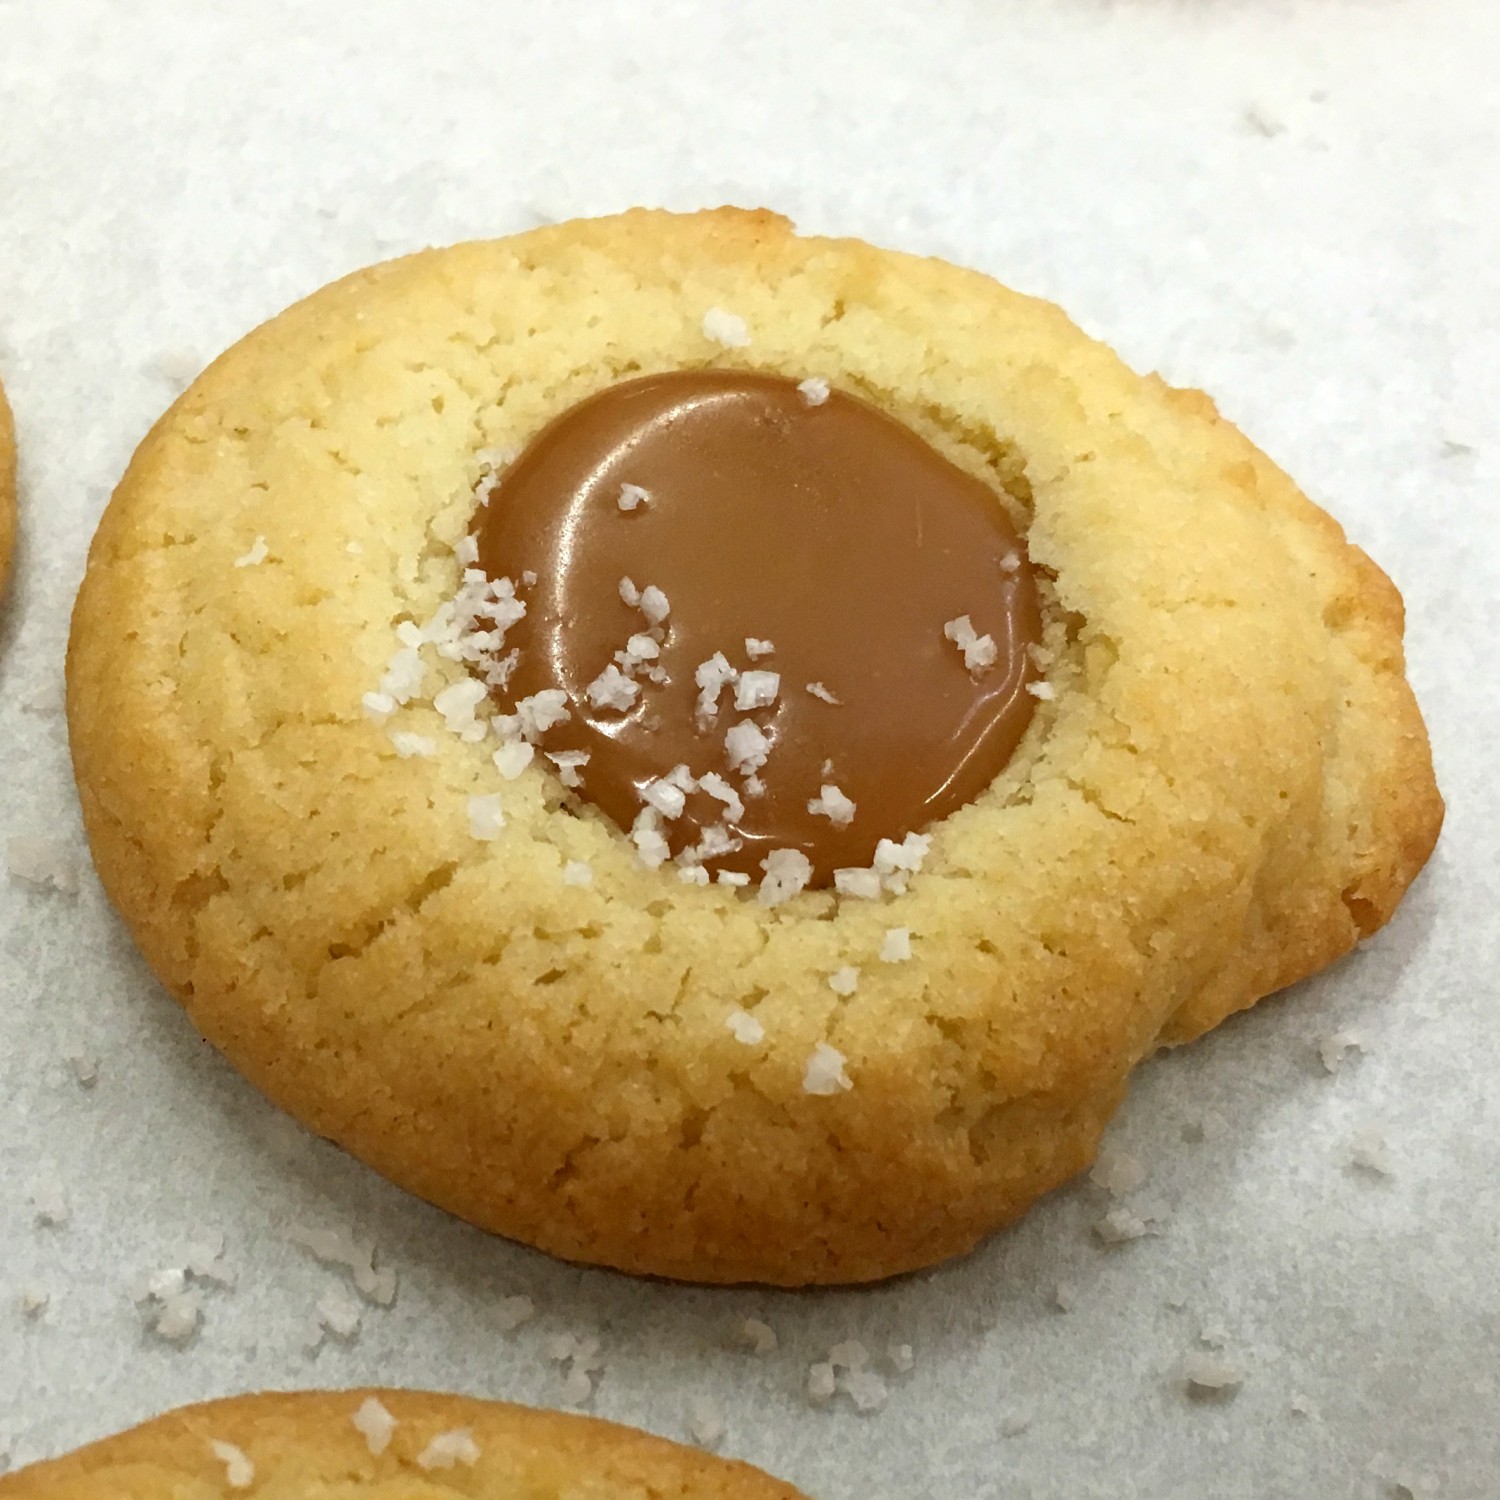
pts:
[1230, 787]
[347, 1444]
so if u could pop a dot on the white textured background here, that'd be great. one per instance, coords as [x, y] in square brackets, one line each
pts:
[1293, 205]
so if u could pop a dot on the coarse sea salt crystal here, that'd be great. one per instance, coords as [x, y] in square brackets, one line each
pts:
[895, 948]
[457, 703]
[745, 1028]
[705, 1421]
[408, 744]
[747, 747]
[654, 604]
[512, 758]
[825, 1073]
[866, 1389]
[758, 1336]
[726, 328]
[378, 707]
[1369, 1153]
[448, 1449]
[641, 648]
[732, 878]
[612, 689]
[630, 593]
[813, 390]
[756, 689]
[570, 764]
[844, 981]
[819, 691]
[821, 1383]
[1333, 1049]
[712, 677]
[1117, 1172]
[692, 875]
[1044, 692]
[645, 834]
[832, 804]
[338, 1314]
[239, 1472]
[512, 1312]
[787, 872]
[979, 651]
[667, 799]
[374, 1424]
[577, 872]
[542, 711]
[755, 648]
[45, 864]
[485, 817]
[257, 554]
[722, 791]
[902, 1359]
[632, 495]
[1207, 1374]
[861, 884]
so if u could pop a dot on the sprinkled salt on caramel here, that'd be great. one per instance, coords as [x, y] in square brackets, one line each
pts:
[771, 521]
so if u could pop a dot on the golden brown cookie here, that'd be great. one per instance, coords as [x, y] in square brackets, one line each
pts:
[1226, 782]
[346, 1444]
[7, 487]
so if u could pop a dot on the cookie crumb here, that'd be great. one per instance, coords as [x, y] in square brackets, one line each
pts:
[844, 981]
[1334, 1048]
[705, 1422]
[448, 1449]
[813, 390]
[1369, 1153]
[895, 948]
[1117, 1172]
[512, 1312]
[257, 554]
[632, 495]
[758, 1336]
[819, 691]
[485, 817]
[726, 328]
[825, 1071]
[578, 872]
[45, 864]
[745, 1028]
[979, 651]
[239, 1472]
[375, 1424]
[1209, 1377]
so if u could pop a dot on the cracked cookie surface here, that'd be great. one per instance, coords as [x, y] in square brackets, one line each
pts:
[397, 1445]
[1230, 786]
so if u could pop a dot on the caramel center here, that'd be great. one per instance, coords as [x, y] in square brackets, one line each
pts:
[785, 592]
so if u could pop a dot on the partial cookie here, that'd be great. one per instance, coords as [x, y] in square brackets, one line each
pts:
[7, 487]
[340, 1445]
[445, 950]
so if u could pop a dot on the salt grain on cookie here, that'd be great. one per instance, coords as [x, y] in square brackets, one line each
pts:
[979, 651]
[485, 817]
[861, 884]
[542, 711]
[1043, 692]
[813, 390]
[825, 1071]
[844, 981]
[448, 1449]
[408, 744]
[374, 1424]
[787, 872]
[895, 948]
[577, 872]
[239, 1472]
[257, 554]
[569, 764]
[745, 1028]
[513, 757]
[726, 328]
[632, 495]
[832, 804]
